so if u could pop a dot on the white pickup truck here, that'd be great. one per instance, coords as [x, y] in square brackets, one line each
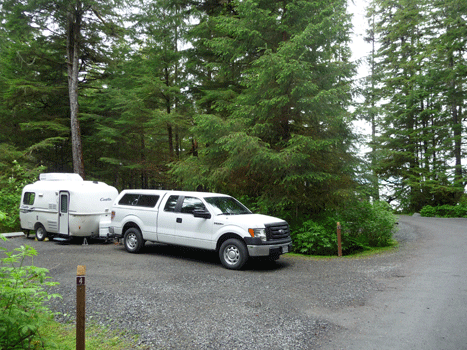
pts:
[202, 220]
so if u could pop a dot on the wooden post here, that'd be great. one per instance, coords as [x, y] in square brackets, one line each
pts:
[80, 307]
[339, 242]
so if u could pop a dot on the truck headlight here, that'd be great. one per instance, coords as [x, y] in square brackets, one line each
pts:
[258, 233]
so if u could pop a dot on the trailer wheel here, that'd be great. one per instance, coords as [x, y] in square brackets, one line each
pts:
[41, 233]
[133, 240]
[233, 254]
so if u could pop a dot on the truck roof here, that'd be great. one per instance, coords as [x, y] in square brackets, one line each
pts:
[179, 193]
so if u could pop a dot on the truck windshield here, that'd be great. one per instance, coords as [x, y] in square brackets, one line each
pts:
[227, 206]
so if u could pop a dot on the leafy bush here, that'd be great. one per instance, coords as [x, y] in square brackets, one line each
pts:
[369, 224]
[459, 211]
[428, 211]
[364, 225]
[22, 297]
[313, 238]
[11, 185]
[445, 211]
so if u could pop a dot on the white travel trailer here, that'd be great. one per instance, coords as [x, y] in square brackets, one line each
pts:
[64, 205]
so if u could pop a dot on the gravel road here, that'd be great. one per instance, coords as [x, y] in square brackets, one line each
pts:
[178, 298]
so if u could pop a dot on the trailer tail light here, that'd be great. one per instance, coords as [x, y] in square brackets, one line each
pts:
[112, 215]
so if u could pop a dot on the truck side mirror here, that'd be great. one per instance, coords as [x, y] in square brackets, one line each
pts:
[201, 213]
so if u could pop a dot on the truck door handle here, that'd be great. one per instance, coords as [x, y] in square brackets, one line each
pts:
[179, 220]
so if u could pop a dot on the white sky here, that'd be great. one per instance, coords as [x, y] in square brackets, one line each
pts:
[360, 49]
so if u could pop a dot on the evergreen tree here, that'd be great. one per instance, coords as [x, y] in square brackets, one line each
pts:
[370, 111]
[421, 133]
[450, 45]
[282, 134]
[145, 108]
[33, 108]
[69, 34]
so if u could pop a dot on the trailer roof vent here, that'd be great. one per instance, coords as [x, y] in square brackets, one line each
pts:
[60, 177]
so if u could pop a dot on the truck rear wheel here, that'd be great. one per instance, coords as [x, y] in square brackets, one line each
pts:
[133, 240]
[41, 233]
[233, 254]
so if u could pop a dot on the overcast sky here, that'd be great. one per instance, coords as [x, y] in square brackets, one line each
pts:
[359, 47]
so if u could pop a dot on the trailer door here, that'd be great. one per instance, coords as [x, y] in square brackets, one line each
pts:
[64, 203]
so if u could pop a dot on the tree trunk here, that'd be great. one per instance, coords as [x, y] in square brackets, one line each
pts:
[73, 40]
[456, 127]
[375, 180]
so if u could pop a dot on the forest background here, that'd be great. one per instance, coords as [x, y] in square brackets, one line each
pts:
[252, 98]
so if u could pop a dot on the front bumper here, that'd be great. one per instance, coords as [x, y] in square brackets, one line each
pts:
[258, 250]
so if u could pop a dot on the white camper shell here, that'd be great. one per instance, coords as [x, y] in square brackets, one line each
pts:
[64, 205]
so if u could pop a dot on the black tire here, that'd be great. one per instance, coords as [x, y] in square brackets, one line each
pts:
[133, 240]
[41, 233]
[233, 254]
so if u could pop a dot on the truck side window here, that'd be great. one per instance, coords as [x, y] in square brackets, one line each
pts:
[171, 203]
[147, 200]
[129, 199]
[29, 198]
[190, 204]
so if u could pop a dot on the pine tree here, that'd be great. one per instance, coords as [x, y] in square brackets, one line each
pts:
[282, 135]
[33, 97]
[420, 131]
[450, 45]
[145, 108]
[74, 29]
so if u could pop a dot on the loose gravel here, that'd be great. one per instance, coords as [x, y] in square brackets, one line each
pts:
[178, 298]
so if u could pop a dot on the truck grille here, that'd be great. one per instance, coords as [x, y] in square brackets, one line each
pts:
[277, 231]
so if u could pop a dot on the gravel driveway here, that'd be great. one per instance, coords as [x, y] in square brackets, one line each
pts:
[177, 298]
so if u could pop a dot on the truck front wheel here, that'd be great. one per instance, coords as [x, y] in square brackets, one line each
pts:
[133, 240]
[233, 254]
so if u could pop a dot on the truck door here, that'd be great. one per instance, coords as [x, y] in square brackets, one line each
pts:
[190, 230]
[63, 213]
[166, 220]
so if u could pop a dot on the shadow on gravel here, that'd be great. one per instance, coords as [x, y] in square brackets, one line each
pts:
[74, 241]
[203, 256]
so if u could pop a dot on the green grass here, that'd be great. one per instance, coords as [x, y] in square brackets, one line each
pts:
[393, 244]
[57, 336]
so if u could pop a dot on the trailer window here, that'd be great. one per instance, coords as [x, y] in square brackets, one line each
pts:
[29, 198]
[64, 203]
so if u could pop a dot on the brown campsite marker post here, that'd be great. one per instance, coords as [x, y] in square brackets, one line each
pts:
[80, 307]
[339, 242]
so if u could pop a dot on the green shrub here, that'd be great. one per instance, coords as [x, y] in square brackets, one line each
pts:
[22, 297]
[428, 211]
[459, 211]
[11, 185]
[369, 224]
[364, 225]
[445, 211]
[313, 239]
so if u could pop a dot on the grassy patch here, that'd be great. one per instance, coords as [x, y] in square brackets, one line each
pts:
[57, 336]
